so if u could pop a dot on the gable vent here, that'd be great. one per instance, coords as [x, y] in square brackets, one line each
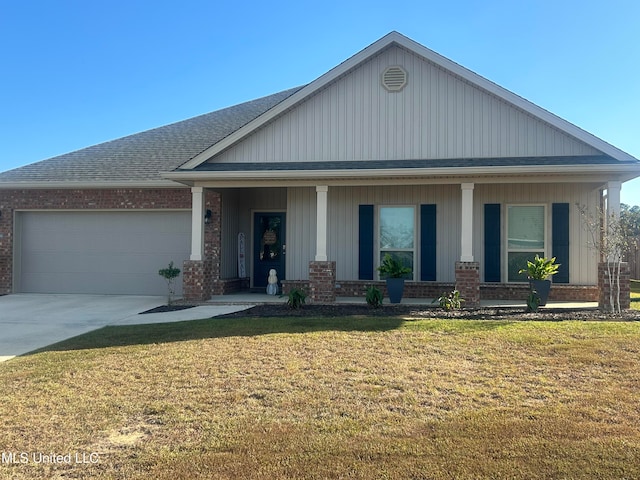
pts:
[394, 79]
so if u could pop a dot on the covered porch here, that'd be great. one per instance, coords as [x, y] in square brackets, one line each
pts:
[321, 241]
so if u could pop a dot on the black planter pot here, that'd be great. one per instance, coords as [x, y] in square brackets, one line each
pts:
[395, 289]
[542, 287]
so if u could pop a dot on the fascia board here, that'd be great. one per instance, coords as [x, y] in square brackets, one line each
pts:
[631, 171]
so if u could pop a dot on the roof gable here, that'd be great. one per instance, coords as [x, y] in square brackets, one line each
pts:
[452, 130]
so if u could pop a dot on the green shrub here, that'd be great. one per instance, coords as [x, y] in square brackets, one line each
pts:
[450, 301]
[374, 297]
[296, 299]
[533, 301]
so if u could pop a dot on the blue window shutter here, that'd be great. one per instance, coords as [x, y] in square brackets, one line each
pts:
[560, 240]
[365, 242]
[428, 243]
[492, 254]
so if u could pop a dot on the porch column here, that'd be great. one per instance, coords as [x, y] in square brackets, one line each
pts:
[467, 270]
[321, 223]
[613, 199]
[467, 223]
[322, 272]
[194, 271]
[197, 223]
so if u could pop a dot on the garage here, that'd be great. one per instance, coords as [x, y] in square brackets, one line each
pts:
[99, 252]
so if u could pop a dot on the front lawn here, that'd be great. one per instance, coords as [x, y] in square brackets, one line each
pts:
[328, 398]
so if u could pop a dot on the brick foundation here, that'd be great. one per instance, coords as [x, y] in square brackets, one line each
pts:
[358, 288]
[468, 282]
[605, 284]
[322, 282]
[194, 284]
[431, 290]
[288, 285]
[225, 286]
[559, 292]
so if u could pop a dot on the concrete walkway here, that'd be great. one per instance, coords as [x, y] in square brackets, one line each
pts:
[32, 321]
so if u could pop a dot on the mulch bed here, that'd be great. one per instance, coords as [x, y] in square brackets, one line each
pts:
[414, 311]
[167, 308]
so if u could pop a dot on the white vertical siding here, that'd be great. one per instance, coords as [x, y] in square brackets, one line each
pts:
[582, 258]
[437, 115]
[343, 223]
[301, 231]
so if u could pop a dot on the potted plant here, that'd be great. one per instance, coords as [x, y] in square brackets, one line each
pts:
[538, 271]
[394, 271]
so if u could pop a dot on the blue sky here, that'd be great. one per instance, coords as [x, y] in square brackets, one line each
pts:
[77, 73]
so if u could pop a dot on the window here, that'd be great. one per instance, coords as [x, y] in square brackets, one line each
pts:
[526, 235]
[397, 234]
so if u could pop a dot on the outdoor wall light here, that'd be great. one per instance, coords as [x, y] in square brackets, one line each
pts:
[207, 216]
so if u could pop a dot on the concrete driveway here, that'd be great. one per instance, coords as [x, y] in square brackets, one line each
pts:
[31, 321]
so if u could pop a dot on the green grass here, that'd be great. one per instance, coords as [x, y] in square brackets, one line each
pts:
[330, 398]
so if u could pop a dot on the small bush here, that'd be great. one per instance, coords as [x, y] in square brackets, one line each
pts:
[533, 301]
[374, 297]
[450, 301]
[296, 299]
[169, 274]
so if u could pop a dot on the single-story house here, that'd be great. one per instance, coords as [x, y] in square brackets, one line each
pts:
[396, 150]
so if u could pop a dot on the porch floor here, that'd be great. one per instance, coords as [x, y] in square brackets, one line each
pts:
[246, 298]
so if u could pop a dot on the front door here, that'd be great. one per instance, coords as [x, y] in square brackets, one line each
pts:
[268, 247]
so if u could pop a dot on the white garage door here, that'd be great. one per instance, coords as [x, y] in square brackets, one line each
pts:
[100, 252]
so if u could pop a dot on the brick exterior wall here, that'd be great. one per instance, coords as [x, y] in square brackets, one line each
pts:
[288, 285]
[468, 282]
[194, 282]
[411, 289]
[605, 284]
[322, 282]
[559, 292]
[76, 199]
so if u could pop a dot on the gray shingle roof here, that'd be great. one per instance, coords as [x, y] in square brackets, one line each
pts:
[140, 157]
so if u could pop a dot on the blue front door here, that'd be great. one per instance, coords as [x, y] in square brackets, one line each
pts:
[268, 247]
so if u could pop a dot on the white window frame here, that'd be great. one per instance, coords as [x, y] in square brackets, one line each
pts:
[508, 250]
[414, 250]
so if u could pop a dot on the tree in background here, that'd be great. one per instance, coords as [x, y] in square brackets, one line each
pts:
[630, 223]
